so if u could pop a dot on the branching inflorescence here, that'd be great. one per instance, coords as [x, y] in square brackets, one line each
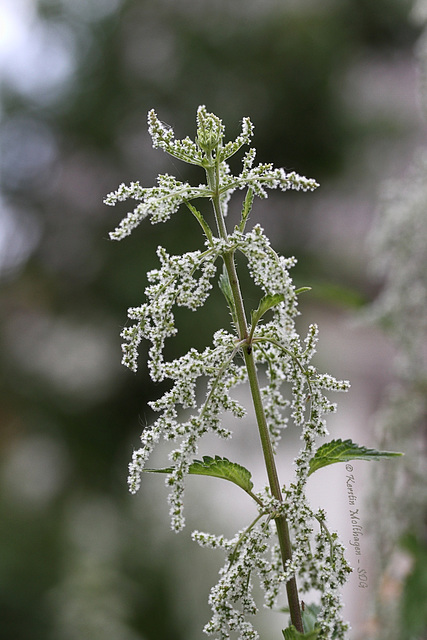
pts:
[288, 541]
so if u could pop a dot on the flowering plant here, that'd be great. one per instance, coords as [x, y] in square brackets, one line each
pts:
[288, 543]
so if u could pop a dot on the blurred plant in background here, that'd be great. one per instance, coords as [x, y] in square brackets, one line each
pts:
[399, 244]
[77, 79]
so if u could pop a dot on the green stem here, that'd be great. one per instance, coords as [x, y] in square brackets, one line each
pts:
[281, 522]
[212, 173]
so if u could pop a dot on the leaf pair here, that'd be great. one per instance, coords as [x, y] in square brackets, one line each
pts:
[329, 453]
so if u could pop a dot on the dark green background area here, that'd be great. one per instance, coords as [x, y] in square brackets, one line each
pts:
[283, 67]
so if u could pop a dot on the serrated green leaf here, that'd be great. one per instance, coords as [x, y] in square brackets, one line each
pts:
[291, 633]
[223, 468]
[267, 302]
[343, 451]
[218, 468]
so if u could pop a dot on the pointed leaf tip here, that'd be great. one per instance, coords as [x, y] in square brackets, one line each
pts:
[343, 451]
[217, 468]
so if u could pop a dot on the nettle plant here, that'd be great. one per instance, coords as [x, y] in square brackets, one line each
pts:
[288, 544]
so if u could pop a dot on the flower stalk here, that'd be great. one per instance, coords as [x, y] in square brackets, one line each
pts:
[267, 449]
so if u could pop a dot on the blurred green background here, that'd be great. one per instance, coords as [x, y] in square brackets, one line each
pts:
[329, 86]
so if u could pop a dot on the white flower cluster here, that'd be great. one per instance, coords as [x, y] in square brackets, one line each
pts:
[265, 176]
[210, 133]
[318, 560]
[163, 137]
[216, 364]
[252, 553]
[328, 573]
[160, 202]
[287, 359]
[231, 598]
[173, 284]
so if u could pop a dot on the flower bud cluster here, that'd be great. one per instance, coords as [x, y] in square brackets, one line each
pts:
[210, 131]
[173, 284]
[186, 372]
[160, 202]
[163, 137]
[231, 599]
[318, 560]
[157, 202]
[286, 357]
